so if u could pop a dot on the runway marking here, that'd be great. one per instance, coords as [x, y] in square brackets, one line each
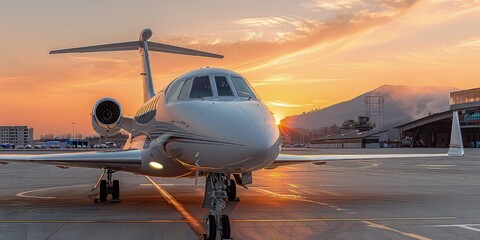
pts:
[25, 194]
[93, 221]
[191, 220]
[295, 197]
[342, 219]
[464, 226]
[329, 192]
[365, 221]
[295, 185]
[369, 164]
[407, 234]
[274, 194]
[437, 166]
[170, 184]
[234, 220]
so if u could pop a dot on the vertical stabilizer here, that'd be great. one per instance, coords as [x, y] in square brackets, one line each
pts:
[148, 91]
[456, 142]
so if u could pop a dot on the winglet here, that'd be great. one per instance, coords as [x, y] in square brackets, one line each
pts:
[456, 142]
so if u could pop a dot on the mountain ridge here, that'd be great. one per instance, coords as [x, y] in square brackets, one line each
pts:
[402, 104]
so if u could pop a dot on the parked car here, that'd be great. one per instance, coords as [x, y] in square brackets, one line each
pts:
[111, 144]
[28, 146]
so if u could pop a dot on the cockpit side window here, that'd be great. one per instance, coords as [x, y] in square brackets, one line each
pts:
[242, 88]
[201, 88]
[185, 88]
[174, 89]
[223, 86]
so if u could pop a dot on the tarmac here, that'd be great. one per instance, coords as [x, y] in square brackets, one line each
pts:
[435, 198]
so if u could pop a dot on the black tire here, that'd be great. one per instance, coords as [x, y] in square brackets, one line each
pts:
[226, 227]
[116, 190]
[103, 191]
[211, 228]
[231, 190]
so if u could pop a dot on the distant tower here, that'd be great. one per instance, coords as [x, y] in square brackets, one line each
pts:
[374, 109]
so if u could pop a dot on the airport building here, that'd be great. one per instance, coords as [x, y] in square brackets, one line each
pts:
[353, 134]
[16, 135]
[367, 139]
[434, 130]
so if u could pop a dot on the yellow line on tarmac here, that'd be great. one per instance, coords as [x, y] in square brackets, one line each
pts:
[407, 234]
[191, 220]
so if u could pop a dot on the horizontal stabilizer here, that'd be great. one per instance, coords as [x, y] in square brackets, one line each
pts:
[135, 45]
[123, 46]
[160, 47]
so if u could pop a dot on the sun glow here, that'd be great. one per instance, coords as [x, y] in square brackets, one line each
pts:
[278, 119]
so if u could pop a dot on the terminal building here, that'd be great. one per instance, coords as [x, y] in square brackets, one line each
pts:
[353, 134]
[16, 135]
[434, 130]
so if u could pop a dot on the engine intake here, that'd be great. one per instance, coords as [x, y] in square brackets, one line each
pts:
[107, 117]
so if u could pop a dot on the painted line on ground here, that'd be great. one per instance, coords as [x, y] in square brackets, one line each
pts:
[365, 221]
[190, 219]
[234, 220]
[386, 228]
[464, 226]
[26, 193]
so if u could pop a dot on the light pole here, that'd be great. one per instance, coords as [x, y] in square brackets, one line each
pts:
[73, 127]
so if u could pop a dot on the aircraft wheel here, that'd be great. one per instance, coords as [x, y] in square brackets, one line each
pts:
[103, 191]
[211, 228]
[226, 227]
[116, 190]
[231, 190]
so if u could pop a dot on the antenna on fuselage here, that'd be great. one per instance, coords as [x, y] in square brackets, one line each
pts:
[143, 45]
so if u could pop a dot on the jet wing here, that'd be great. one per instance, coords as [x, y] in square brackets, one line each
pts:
[289, 159]
[455, 150]
[118, 160]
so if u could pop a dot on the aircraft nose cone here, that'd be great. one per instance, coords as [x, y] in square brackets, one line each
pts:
[248, 125]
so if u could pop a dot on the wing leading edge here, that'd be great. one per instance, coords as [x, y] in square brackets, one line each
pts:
[112, 160]
[455, 150]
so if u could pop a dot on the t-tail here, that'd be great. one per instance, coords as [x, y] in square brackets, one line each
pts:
[144, 46]
[456, 142]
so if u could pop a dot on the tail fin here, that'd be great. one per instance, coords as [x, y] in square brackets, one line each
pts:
[144, 46]
[456, 141]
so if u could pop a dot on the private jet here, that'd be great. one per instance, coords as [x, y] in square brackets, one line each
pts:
[208, 122]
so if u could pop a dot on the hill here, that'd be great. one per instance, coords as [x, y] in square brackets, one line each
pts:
[402, 104]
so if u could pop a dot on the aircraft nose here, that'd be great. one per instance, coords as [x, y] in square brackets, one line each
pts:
[248, 124]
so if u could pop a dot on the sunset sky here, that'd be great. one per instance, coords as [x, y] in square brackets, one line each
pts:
[299, 55]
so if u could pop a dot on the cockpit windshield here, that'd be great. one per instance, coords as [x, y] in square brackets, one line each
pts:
[243, 90]
[201, 88]
[213, 87]
[223, 87]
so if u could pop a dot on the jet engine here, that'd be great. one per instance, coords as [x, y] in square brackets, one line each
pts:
[107, 117]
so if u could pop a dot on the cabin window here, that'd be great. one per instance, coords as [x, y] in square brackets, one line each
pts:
[223, 86]
[201, 88]
[242, 88]
[185, 88]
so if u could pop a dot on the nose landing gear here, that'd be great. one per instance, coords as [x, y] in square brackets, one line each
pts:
[215, 195]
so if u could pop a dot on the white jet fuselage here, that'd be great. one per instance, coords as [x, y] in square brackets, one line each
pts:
[229, 134]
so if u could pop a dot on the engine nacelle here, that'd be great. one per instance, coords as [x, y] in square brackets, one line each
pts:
[107, 117]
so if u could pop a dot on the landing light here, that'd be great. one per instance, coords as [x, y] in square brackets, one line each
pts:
[156, 165]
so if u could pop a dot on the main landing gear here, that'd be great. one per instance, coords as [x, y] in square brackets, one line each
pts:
[218, 188]
[108, 187]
